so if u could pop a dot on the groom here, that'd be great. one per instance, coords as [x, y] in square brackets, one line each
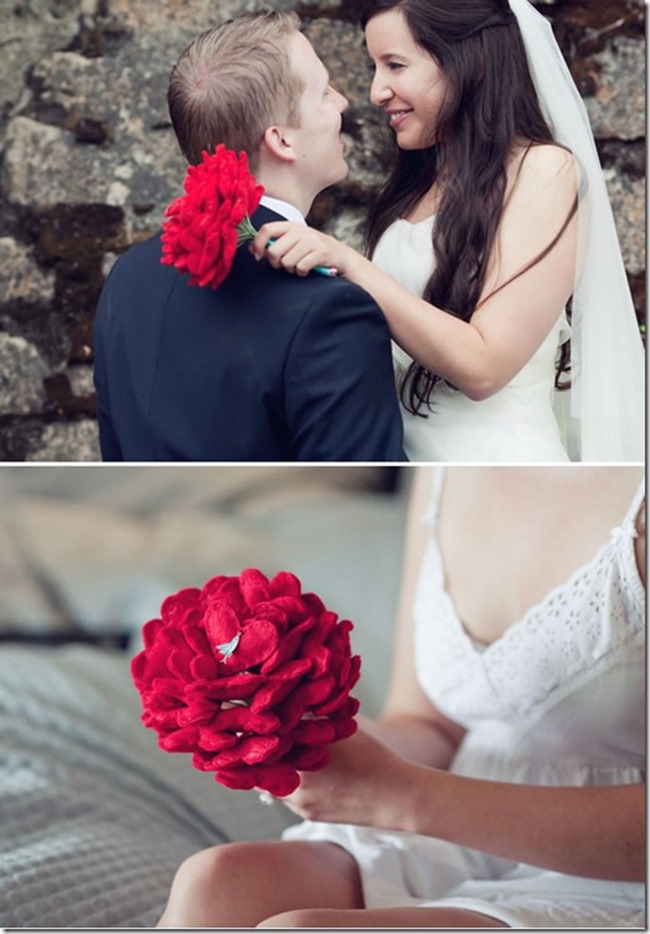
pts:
[269, 366]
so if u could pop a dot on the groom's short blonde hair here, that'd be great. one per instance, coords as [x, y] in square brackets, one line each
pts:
[234, 81]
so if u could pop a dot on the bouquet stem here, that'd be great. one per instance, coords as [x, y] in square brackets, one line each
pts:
[246, 232]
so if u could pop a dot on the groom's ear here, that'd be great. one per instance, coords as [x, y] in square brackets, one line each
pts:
[277, 142]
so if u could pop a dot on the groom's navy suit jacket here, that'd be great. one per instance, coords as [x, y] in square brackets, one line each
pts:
[267, 367]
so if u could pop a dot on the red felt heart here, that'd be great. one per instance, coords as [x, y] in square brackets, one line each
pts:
[257, 641]
[221, 623]
[238, 645]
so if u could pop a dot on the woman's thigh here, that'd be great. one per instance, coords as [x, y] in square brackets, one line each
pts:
[382, 918]
[241, 884]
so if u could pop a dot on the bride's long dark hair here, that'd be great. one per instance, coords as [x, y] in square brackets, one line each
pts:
[491, 105]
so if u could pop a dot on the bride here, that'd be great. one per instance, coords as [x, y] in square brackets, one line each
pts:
[492, 243]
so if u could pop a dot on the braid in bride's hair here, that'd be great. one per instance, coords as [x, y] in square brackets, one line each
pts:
[491, 104]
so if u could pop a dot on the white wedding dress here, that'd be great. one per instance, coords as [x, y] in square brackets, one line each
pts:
[518, 423]
[557, 700]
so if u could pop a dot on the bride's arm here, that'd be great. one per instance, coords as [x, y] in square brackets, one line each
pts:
[409, 723]
[483, 355]
[594, 831]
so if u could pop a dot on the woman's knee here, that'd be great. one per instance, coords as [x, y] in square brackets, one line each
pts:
[247, 882]
[225, 869]
[200, 868]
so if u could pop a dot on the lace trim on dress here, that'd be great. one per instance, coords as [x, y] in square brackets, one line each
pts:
[621, 541]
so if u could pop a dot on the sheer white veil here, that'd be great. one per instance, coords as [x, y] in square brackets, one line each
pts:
[606, 417]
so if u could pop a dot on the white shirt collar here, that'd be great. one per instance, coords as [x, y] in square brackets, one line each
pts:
[284, 208]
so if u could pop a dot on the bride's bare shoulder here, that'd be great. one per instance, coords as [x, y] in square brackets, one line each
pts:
[543, 162]
[542, 182]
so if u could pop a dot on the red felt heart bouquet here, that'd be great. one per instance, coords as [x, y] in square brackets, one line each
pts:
[204, 227]
[251, 676]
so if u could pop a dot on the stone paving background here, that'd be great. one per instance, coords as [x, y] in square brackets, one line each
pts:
[88, 162]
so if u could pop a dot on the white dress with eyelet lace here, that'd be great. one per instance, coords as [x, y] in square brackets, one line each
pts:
[518, 423]
[558, 700]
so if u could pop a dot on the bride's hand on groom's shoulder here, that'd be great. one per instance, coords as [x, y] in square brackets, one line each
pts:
[297, 248]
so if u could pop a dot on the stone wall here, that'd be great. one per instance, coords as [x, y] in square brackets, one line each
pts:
[88, 162]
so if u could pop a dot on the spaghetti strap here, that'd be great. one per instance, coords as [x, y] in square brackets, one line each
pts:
[430, 514]
[631, 516]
